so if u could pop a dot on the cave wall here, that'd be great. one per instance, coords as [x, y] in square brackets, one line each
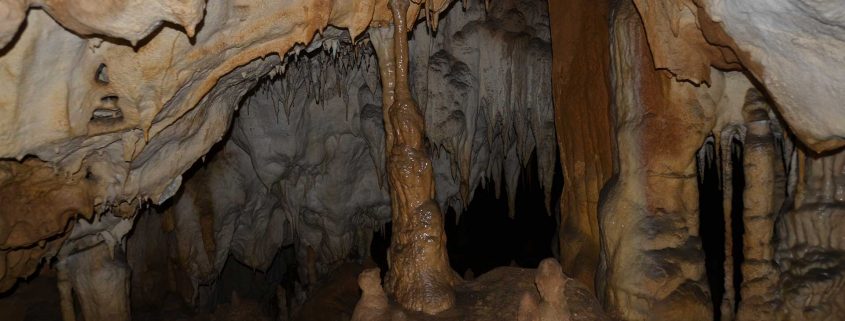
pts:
[147, 130]
[301, 166]
[663, 76]
[809, 229]
[282, 175]
[123, 122]
[793, 48]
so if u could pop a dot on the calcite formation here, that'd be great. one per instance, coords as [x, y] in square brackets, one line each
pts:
[420, 277]
[240, 128]
[808, 255]
[552, 305]
[581, 84]
[373, 305]
[653, 259]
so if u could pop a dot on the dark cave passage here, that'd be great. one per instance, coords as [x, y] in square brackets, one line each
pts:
[712, 224]
[484, 237]
[737, 225]
[712, 228]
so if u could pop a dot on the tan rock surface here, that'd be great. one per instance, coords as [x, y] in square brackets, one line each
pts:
[583, 121]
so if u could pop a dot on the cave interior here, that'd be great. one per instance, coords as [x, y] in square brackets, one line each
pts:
[397, 160]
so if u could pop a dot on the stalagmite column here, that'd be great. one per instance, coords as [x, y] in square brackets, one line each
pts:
[100, 281]
[759, 277]
[726, 146]
[92, 267]
[652, 264]
[419, 277]
[65, 293]
[581, 84]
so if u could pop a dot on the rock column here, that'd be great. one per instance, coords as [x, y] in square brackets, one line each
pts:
[100, 281]
[759, 276]
[419, 276]
[652, 264]
[581, 85]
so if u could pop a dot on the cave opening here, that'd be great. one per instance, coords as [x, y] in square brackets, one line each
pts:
[484, 236]
[737, 224]
[712, 225]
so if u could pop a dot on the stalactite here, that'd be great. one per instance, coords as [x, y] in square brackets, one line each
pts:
[483, 86]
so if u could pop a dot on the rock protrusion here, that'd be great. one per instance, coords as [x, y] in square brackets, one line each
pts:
[373, 305]
[551, 305]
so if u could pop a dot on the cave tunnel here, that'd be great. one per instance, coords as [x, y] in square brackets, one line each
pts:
[632, 160]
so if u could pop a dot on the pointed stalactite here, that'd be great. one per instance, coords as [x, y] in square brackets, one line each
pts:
[419, 276]
[759, 275]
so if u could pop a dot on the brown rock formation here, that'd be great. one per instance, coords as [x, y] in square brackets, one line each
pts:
[37, 207]
[811, 252]
[373, 305]
[420, 277]
[758, 269]
[552, 305]
[653, 267]
[581, 87]
[505, 293]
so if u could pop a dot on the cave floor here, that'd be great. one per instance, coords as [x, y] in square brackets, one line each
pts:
[496, 295]
[36, 299]
[492, 296]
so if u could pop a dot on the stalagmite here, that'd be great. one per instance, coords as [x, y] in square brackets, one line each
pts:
[653, 265]
[100, 284]
[419, 277]
[552, 305]
[583, 121]
[92, 268]
[726, 148]
[65, 294]
[759, 277]
[373, 305]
